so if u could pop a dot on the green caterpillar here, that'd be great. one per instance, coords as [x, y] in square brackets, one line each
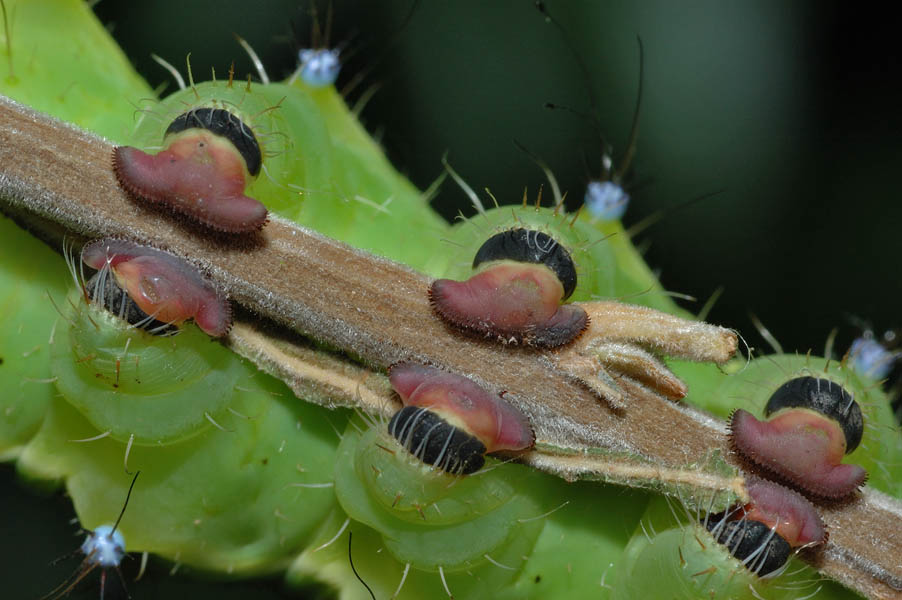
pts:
[236, 500]
[433, 527]
[305, 134]
[650, 553]
[673, 550]
[150, 389]
[611, 269]
[880, 452]
[64, 80]
[272, 509]
[534, 515]
[31, 327]
[52, 440]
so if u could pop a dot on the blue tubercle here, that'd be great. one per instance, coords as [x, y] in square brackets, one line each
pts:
[870, 358]
[606, 200]
[319, 68]
[104, 547]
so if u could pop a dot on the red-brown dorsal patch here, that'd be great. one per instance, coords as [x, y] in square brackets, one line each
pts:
[464, 404]
[785, 511]
[199, 175]
[801, 446]
[161, 284]
[513, 302]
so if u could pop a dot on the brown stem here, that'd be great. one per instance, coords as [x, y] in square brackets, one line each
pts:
[377, 312]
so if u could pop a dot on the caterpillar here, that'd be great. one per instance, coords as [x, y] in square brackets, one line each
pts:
[95, 462]
[422, 518]
[812, 422]
[607, 263]
[131, 384]
[433, 524]
[569, 548]
[691, 555]
[426, 499]
[202, 173]
[878, 453]
[214, 437]
[523, 276]
[303, 134]
[243, 491]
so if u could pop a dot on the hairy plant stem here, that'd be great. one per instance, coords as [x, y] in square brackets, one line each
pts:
[375, 312]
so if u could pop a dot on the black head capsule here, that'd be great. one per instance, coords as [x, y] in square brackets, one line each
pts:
[221, 122]
[103, 289]
[522, 277]
[760, 548]
[531, 247]
[823, 396]
[436, 442]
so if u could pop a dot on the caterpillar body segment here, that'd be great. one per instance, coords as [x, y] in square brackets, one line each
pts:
[81, 77]
[304, 134]
[28, 291]
[244, 496]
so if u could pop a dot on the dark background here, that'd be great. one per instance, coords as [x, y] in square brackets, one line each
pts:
[792, 109]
